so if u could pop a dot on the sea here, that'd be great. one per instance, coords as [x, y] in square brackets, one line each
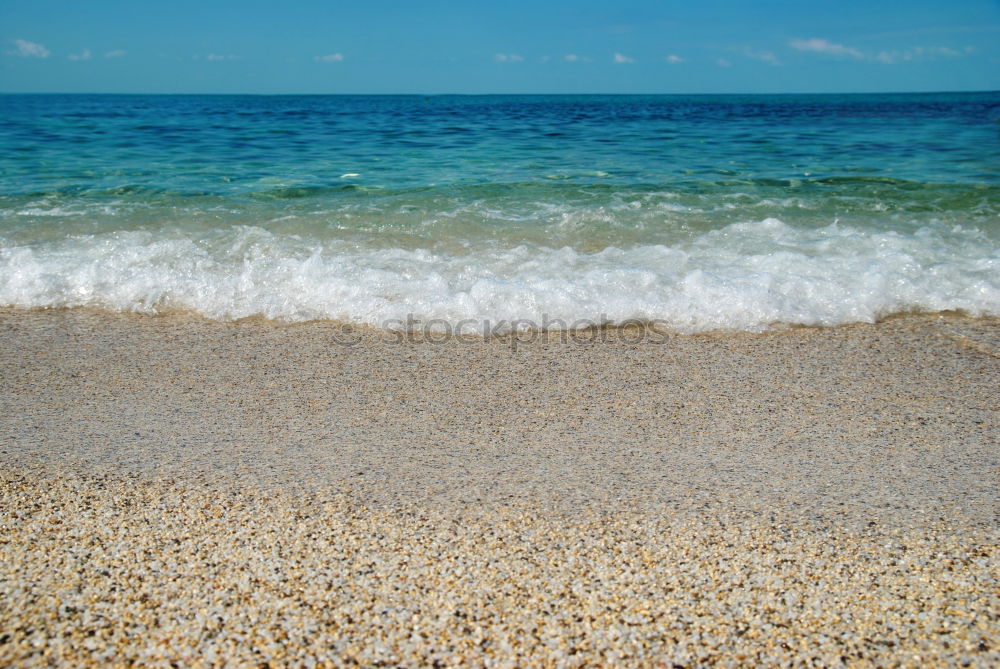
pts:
[489, 213]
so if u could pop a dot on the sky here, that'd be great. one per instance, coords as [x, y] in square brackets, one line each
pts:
[516, 46]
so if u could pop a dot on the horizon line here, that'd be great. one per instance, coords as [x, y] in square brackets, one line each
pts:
[522, 94]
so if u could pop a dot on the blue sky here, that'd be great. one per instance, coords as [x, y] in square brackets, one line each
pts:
[437, 46]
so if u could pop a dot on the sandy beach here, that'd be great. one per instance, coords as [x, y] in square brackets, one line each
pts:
[178, 490]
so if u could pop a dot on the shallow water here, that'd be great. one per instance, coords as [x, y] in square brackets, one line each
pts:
[698, 212]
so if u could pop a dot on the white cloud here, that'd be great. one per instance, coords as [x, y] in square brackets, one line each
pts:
[508, 57]
[817, 45]
[887, 57]
[329, 58]
[763, 56]
[26, 49]
[621, 59]
[916, 53]
[83, 55]
[218, 57]
[571, 58]
[117, 53]
[722, 62]
[673, 59]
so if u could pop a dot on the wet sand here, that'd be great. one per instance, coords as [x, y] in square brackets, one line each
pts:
[179, 490]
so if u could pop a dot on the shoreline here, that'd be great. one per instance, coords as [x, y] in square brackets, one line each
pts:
[429, 332]
[822, 493]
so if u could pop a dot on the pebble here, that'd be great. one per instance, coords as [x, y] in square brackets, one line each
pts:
[124, 571]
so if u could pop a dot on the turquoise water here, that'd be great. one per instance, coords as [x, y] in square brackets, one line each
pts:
[699, 212]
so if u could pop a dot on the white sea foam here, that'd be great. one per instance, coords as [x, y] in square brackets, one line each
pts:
[51, 211]
[744, 276]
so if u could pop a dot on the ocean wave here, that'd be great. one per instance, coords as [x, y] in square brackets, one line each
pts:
[747, 276]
